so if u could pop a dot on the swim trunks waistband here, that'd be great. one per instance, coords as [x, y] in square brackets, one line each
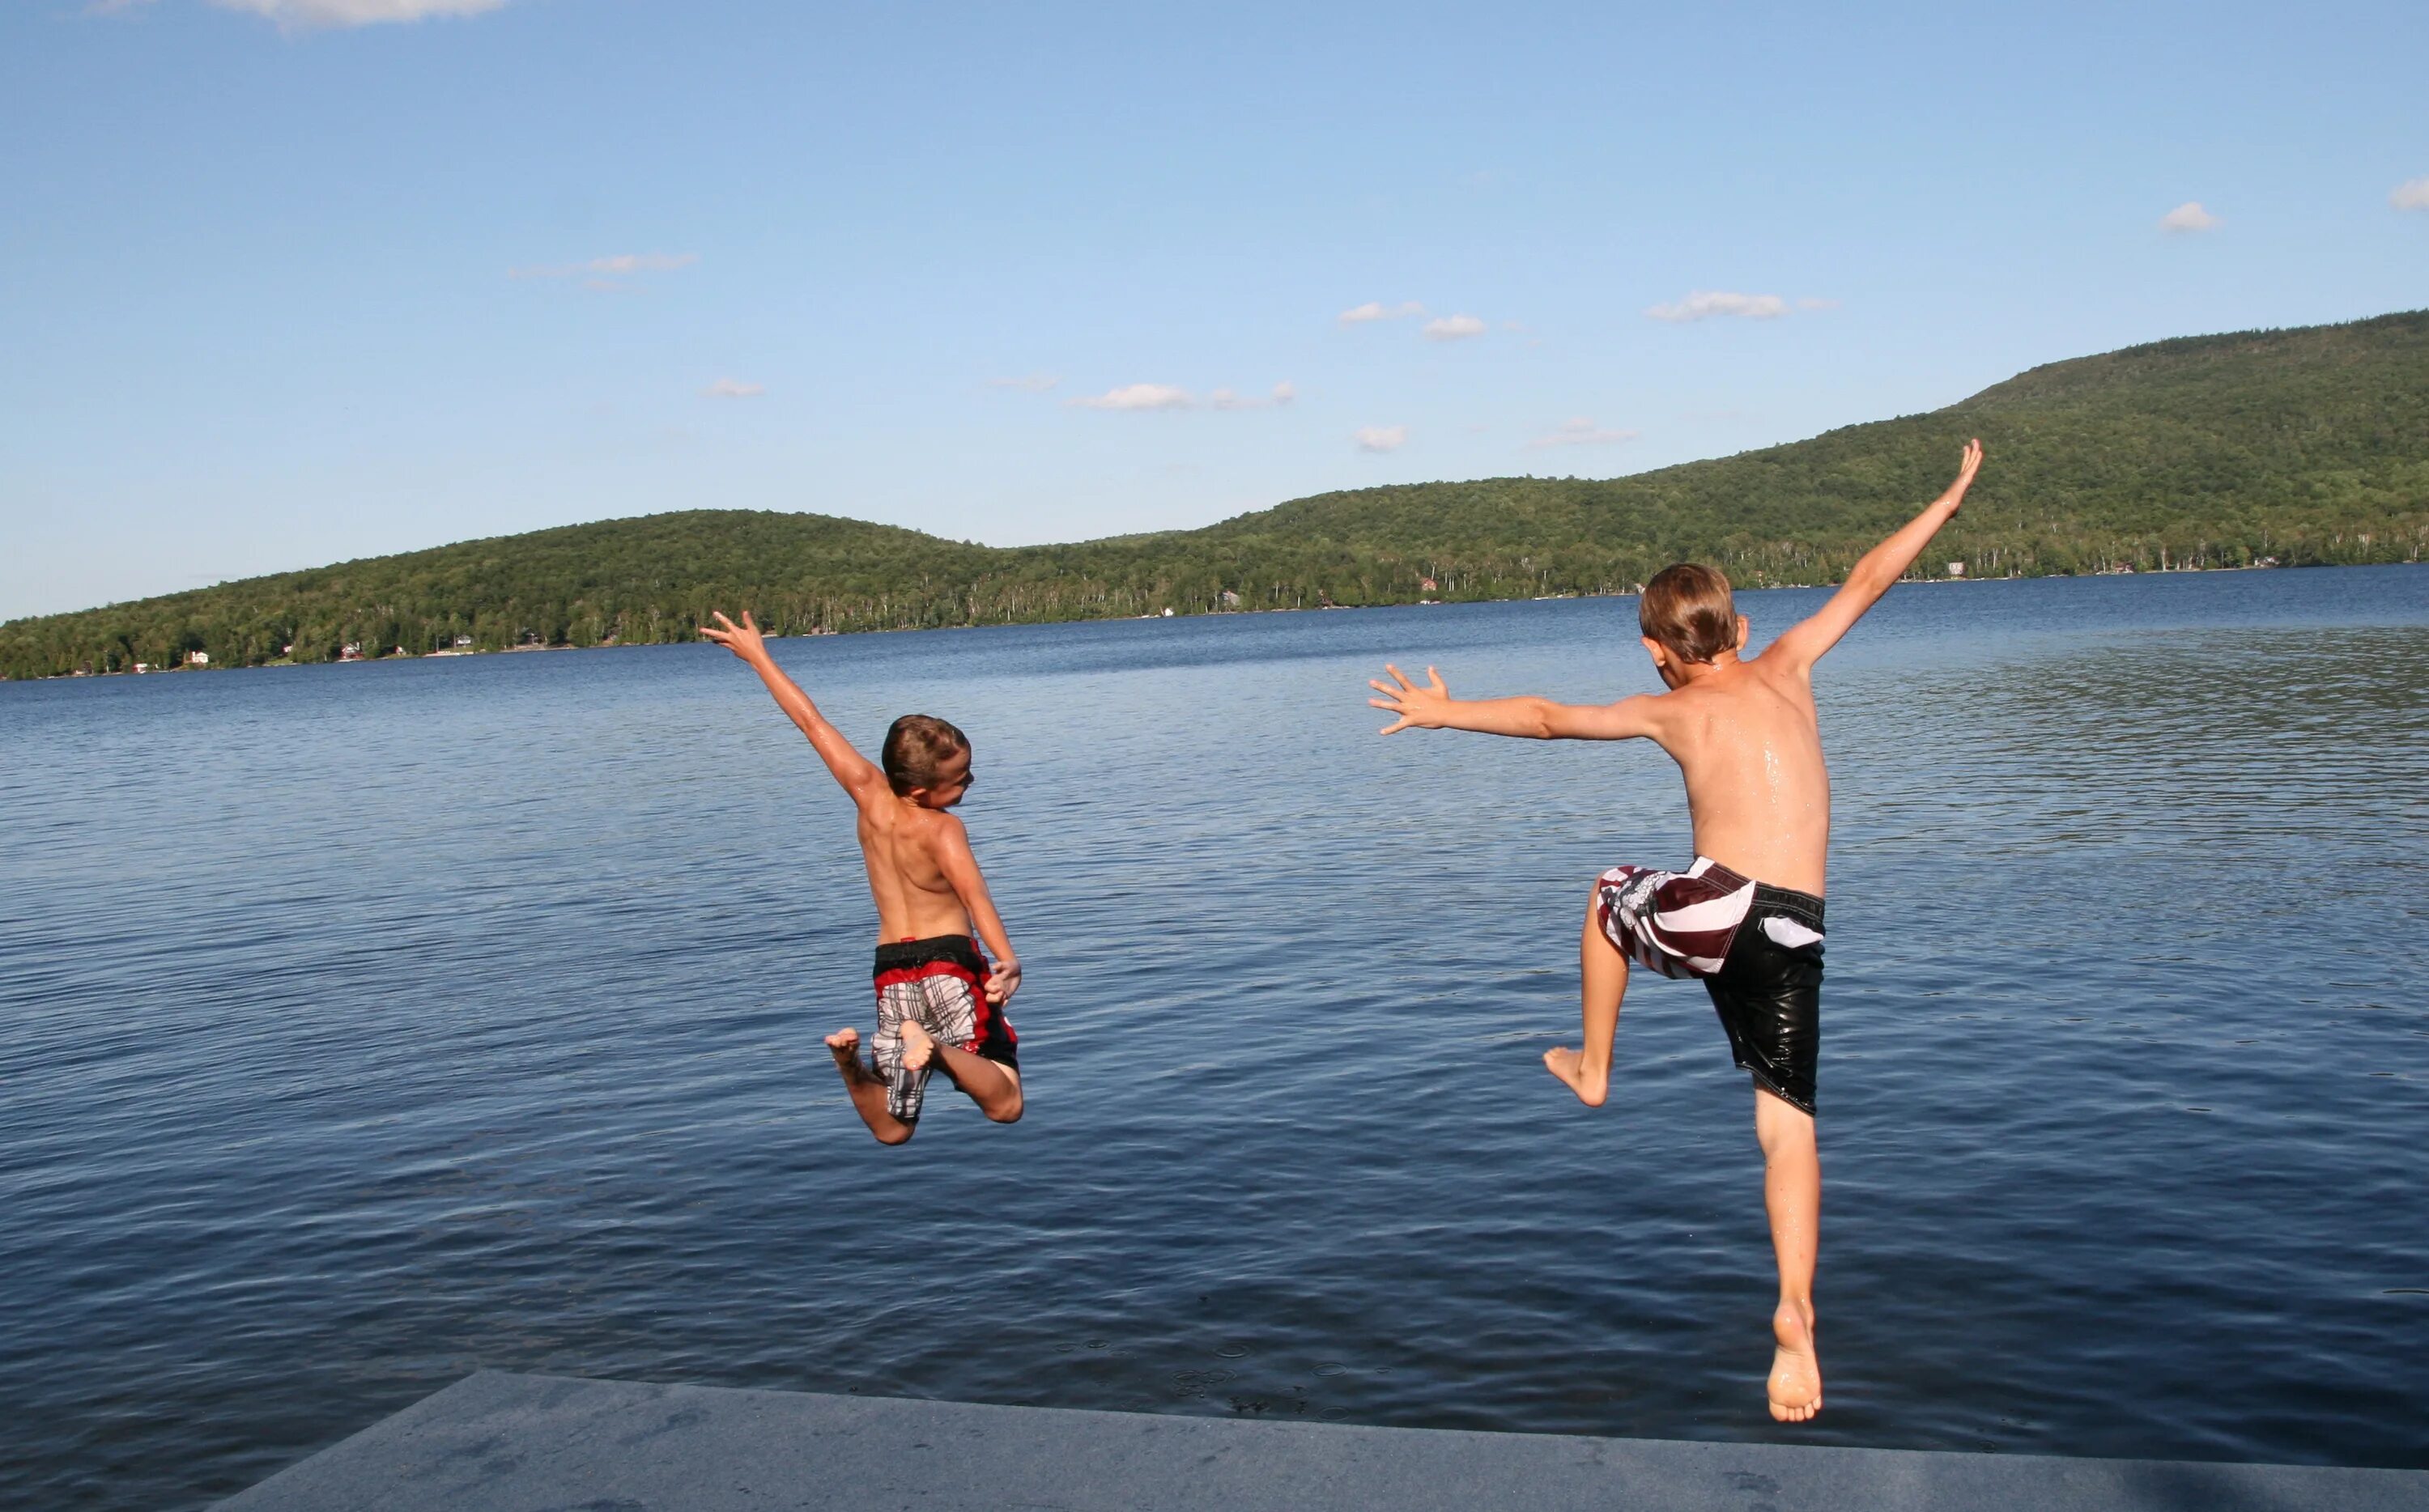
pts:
[898, 955]
[1804, 907]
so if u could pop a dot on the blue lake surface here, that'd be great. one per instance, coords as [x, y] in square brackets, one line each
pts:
[361, 1027]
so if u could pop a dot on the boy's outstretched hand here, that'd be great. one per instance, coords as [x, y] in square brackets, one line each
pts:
[743, 640]
[1969, 465]
[1420, 707]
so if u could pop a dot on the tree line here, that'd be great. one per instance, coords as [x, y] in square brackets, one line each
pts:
[2294, 447]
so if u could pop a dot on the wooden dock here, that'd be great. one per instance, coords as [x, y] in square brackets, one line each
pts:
[498, 1442]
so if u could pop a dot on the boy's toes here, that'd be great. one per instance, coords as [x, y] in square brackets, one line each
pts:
[918, 1045]
[1795, 1384]
[843, 1040]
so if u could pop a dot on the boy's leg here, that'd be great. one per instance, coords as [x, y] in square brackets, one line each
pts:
[1792, 1194]
[1602, 972]
[995, 1087]
[868, 1088]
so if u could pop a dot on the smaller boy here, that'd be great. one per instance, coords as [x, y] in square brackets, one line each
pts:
[939, 1007]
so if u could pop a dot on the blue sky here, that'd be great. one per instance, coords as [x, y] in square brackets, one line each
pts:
[284, 282]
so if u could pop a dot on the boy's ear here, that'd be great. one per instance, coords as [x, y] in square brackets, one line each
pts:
[1745, 631]
[1654, 649]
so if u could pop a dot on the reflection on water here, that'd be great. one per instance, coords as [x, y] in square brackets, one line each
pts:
[360, 1027]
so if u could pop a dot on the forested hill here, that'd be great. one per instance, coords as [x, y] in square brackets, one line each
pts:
[2305, 446]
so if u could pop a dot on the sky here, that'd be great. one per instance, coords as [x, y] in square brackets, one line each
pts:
[288, 282]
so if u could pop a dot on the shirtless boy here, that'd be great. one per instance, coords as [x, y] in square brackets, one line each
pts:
[938, 1006]
[1746, 917]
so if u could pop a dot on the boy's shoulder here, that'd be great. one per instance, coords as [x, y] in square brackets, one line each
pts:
[936, 826]
[1761, 675]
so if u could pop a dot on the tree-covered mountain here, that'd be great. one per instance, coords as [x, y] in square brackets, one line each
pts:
[2305, 446]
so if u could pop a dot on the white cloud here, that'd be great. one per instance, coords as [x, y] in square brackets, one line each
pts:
[733, 388]
[2412, 194]
[1036, 382]
[1373, 310]
[1168, 396]
[1381, 437]
[599, 272]
[1704, 303]
[2190, 216]
[1137, 396]
[1282, 394]
[1582, 431]
[640, 262]
[300, 15]
[1453, 328]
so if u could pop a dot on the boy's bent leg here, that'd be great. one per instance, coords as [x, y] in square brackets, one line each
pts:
[995, 1087]
[1602, 974]
[1792, 1194]
[868, 1088]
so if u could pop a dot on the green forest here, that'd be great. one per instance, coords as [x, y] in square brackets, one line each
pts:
[2302, 447]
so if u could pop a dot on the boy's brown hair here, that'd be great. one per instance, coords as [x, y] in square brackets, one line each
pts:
[915, 746]
[1688, 609]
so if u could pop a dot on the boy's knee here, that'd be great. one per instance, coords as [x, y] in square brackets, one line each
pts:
[893, 1135]
[1008, 1112]
[1779, 1125]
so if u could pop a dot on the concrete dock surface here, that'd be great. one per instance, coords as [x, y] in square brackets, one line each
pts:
[496, 1442]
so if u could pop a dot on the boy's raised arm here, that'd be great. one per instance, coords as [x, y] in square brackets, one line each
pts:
[859, 776]
[1432, 707]
[1878, 571]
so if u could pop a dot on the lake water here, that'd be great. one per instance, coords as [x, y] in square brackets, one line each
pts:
[362, 1027]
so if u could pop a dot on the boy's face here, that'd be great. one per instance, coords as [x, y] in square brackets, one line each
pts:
[953, 779]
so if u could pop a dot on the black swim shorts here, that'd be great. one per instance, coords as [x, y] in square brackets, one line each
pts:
[1768, 992]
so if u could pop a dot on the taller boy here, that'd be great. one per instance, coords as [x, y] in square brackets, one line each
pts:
[1746, 917]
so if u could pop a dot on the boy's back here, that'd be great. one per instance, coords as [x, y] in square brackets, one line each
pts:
[905, 849]
[1747, 740]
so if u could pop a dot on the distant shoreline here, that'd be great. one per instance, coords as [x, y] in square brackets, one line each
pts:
[456, 652]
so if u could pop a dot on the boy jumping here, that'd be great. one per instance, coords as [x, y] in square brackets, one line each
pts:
[1746, 917]
[938, 1007]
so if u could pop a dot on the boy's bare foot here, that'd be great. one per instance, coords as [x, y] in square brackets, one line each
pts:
[845, 1047]
[918, 1043]
[1795, 1384]
[1569, 1065]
